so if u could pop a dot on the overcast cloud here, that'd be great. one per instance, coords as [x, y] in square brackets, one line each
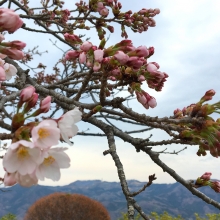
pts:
[186, 40]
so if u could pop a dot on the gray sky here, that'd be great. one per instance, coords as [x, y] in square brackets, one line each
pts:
[187, 48]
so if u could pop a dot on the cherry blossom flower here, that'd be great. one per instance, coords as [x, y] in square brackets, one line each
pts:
[135, 62]
[141, 78]
[45, 134]
[206, 176]
[31, 103]
[67, 125]
[151, 51]
[121, 57]
[146, 100]
[10, 70]
[15, 44]
[82, 57]
[9, 20]
[86, 46]
[141, 51]
[104, 11]
[72, 38]
[55, 160]
[98, 55]
[45, 104]
[72, 54]
[151, 67]
[22, 157]
[27, 93]
[12, 53]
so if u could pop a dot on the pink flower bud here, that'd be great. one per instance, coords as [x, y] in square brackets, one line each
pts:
[104, 12]
[127, 43]
[142, 51]
[206, 176]
[216, 186]
[27, 93]
[151, 68]
[152, 102]
[100, 6]
[151, 51]
[82, 57]
[72, 38]
[177, 111]
[135, 62]
[15, 44]
[145, 99]
[143, 10]
[9, 20]
[121, 57]
[208, 95]
[98, 55]
[12, 53]
[110, 28]
[72, 54]
[142, 99]
[86, 46]
[210, 92]
[156, 11]
[31, 103]
[45, 104]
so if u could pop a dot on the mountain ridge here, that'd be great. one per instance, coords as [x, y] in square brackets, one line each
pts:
[173, 197]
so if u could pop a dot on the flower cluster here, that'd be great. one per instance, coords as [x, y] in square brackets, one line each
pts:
[204, 180]
[31, 156]
[10, 21]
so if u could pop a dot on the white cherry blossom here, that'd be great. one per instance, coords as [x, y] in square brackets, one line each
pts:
[55, 159]
[67, 125]
[22, 157]
[45, 134]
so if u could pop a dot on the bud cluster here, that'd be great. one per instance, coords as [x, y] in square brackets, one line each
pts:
[204, 180]
[122, 62]
[138, 22]
[206, 133]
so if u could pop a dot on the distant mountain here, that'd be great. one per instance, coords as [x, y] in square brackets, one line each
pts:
[173, 198]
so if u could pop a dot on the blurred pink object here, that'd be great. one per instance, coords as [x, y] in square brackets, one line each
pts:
[9, 20]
